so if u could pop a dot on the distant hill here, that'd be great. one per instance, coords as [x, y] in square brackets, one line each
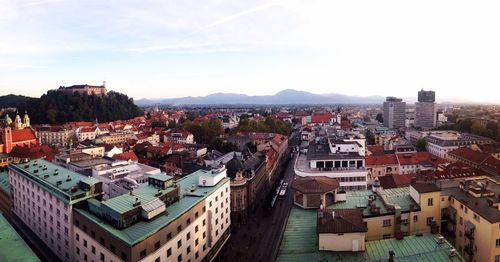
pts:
[288, 96]
[13, 101]
[59, 107]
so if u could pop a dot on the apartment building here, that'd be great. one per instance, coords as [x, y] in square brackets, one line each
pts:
[55, 135]
[43, 196]
[471, 220]
[163, 220]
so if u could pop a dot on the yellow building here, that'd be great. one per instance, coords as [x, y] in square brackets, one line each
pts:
[471, 215]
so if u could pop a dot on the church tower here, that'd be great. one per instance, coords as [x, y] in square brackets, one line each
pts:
[18, 124]
[26, 120]
[8, 120]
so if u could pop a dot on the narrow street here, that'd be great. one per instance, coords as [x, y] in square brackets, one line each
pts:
[260, 238]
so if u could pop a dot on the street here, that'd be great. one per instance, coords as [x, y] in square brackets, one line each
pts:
[260, 238]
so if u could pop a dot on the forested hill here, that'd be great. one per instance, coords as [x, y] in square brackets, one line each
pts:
[13, 101]
[58, 107]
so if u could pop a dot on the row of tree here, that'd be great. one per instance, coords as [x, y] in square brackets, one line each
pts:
[58, 107]
[491, 129]
[209, 132]
[270, 124]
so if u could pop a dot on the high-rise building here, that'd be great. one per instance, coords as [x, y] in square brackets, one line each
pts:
[426, 96]
[394, 112]
[425, 109]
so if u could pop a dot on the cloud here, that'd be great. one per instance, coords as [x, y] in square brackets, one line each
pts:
[238, 15]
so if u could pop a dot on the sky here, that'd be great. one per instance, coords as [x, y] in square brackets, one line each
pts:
[164, 49]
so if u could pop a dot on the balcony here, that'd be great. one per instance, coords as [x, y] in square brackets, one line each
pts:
[469, 234]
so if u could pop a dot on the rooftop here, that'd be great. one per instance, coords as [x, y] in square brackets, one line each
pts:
[141, 230]
[300, 243]
[322, 152]
[395, 196]
[340, 221]
[316, 184]
[13, 246]
[478, 205]
[425, 187]
[63, 183]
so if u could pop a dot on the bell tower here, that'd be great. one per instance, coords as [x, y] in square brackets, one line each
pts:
[26, 120]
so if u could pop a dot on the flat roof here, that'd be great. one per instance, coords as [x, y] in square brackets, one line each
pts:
[143, 229]
[322, 152]
[89, 163]
[300, 243]
[359, 199]
[13, 246]
[4, 183]
[55, 178]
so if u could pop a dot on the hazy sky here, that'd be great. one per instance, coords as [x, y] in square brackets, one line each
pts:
[181, 48]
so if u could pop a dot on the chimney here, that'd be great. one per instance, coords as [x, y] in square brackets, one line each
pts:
[391, 256]
[333, 215]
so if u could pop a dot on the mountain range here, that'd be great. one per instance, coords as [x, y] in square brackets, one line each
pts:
[285, 97]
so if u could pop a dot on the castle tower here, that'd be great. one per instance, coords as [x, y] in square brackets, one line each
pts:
[26, 120]
[18, 124]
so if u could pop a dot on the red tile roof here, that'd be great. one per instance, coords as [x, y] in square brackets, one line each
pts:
[22, 135]
[321, 118]
[376, 150]
[416, 158]
[126, 156]
[380, 160]
[34, 152]
[394, 181]
[468, 154]
[87, 129]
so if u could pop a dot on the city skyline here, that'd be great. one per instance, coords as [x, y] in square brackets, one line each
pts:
[168, 50]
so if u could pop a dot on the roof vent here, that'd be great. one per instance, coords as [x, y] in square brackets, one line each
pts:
[453, 252]
[440, 240]
[137, 202]
[35, 171]
[68, 179]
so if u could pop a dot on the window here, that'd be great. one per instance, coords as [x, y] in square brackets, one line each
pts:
[102, 257]
[461, 220]
[143, 253]
[476, 217]
[93, 250]
[204, 234]
[188, 236]
[179, 228]
[204, 222]
[196, 229]
[204, 247]
[169, 252]
[386, 236]
[188, 221]
[465, 210]
[415, 218]
[85, 243]
[124, 256]
[497, 258]
[188, 250]
[387, 223]
[196, 242]
[430, 220]
[157, 244]
[179, 243]
[77, 237]
[112, 248]
[196, 255]
[157, 259]
[430, 201]
[169, 236]
[179, 258]
[196, 215]
[404, 221]
[497, 244]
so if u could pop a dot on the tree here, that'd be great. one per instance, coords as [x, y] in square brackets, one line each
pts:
[380, 118]
[421, 144]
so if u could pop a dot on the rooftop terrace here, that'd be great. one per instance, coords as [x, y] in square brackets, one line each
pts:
[141, 230]
[359, 199]
[300, 243]
[63, 183]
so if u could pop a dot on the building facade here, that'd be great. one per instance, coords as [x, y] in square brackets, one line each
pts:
[394, 110]
[43, 196]
[425, 109]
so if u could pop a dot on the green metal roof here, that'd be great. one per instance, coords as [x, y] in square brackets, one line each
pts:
[300, 243]
[124, 203]
[55, 178]
[4, 183]
[397, 196]
[13, 248]
[161, 176]
[141, 230]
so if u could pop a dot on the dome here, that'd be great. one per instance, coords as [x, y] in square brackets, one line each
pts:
[8, 120]
[234, 165]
